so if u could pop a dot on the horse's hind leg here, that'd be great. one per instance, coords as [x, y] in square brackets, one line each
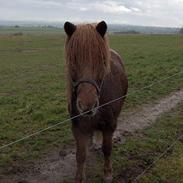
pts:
[107, 149]
[81, 142]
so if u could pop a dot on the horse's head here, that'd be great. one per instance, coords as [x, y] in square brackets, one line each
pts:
[88, 61]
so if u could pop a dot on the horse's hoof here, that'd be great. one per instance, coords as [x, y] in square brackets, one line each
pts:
[108, 180]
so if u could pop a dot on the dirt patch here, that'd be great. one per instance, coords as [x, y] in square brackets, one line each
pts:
[127, 175]
[145, 115]
[60, 167]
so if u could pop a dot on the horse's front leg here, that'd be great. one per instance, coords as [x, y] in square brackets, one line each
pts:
[107, 149]
[81, 151]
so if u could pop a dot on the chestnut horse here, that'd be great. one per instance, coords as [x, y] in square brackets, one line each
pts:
[95, 75]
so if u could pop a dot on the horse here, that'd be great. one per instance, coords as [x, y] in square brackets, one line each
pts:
[95, 76]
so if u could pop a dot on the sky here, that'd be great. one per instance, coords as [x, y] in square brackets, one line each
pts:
[165, 13]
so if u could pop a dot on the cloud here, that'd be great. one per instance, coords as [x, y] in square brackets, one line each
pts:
[141, 12]
[112, 7]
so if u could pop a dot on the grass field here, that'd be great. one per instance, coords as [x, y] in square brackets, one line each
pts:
[32, 86]
[11, 30]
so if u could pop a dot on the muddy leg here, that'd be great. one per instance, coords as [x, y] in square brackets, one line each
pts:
[107, 149]
[81, 142]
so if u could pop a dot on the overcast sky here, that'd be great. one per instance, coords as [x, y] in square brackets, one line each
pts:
[135, 12]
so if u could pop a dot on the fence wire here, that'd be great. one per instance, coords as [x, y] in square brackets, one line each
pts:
[69, 119]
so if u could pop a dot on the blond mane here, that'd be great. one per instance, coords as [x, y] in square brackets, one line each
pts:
[86, 47]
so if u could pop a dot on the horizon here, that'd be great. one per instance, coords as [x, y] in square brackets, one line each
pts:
[27, 23]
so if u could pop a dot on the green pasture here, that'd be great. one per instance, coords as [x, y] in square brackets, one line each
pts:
[11, 30]
[32, 86]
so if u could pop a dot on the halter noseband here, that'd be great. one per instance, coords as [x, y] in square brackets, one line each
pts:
[92, 82]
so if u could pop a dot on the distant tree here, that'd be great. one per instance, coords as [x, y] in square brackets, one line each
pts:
[17, 26]
[181, 30]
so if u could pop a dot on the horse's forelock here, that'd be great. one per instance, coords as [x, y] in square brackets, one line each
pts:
[87, 47]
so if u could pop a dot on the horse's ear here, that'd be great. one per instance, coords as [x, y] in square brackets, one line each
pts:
[101, 28]
[69, 28]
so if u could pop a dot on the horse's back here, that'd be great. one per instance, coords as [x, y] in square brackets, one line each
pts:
[115, 86]
[118, 70]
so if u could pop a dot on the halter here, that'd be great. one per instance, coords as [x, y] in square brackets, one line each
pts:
[92, 82]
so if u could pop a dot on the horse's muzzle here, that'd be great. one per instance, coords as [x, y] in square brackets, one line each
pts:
[87, 111]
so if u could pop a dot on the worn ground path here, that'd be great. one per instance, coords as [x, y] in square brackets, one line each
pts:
[60, 169]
